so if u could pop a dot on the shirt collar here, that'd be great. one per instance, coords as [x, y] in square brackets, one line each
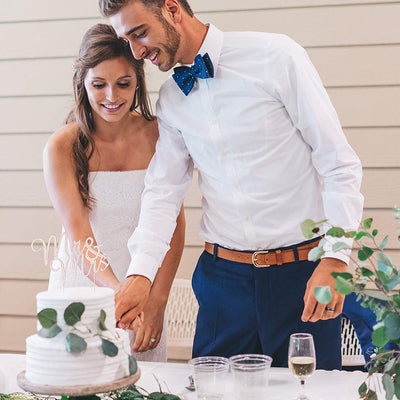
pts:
[212, 44]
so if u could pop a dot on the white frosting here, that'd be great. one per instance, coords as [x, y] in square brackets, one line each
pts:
[94, 299]
[47, 361]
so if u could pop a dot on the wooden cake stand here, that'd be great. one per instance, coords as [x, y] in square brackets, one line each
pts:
[78, 390]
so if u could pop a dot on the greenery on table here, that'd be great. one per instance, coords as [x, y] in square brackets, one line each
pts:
[131, 393]
[135, 393]
[373, 268]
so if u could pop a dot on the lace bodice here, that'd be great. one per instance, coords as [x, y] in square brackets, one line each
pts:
[115, 214]
[113, 218]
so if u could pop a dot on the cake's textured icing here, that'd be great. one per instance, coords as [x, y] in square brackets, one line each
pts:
[48, 362]
[94, 299]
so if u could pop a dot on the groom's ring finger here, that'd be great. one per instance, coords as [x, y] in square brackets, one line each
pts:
[329, 312]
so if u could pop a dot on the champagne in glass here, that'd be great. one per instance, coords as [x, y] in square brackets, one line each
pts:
[301, 358]
[302, 367]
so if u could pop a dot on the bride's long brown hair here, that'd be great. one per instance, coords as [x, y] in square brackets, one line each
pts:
[100, 43]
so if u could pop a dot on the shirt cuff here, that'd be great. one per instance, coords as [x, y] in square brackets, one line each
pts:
[343, 255]
[143, 265]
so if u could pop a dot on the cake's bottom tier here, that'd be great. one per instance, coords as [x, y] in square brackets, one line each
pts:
[48, 363]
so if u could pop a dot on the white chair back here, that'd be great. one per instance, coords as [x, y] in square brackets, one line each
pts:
[351, 349]
[181, 311]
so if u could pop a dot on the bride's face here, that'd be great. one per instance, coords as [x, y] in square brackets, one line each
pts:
[110, 87]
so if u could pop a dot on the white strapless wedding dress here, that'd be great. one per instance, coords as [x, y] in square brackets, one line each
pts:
[113, 218]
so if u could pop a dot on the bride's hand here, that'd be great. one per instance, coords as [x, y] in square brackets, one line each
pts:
[136, 323]
[148, 326]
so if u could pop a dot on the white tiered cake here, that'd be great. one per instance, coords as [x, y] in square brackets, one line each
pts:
[48, 361]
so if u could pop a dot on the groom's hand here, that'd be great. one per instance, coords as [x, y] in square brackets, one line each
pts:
[322, 276]
[130, 299]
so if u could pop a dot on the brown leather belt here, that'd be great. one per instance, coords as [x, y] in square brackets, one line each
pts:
[263, 258]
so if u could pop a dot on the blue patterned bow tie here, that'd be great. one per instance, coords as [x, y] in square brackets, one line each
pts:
[185, 77]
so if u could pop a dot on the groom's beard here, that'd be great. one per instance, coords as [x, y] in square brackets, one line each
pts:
[170, 48]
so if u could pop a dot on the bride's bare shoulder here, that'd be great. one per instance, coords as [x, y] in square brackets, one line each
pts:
[61, 141]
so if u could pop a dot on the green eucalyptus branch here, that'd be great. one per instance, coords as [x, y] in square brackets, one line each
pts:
[373, 267]
[137, 393]
[132, 392]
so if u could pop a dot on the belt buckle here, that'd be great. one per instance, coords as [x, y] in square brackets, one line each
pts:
[254, 259]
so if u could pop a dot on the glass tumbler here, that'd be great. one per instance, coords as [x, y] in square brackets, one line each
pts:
[210, 377]
[250, 375]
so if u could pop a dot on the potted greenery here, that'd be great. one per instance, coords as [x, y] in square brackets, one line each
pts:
[376, 282]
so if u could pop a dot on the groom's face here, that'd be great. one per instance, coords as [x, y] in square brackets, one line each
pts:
[150, 36]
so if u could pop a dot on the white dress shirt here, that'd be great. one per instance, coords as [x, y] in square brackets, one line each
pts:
[268, 146]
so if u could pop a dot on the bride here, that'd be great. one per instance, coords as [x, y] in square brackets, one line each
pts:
[94, 169]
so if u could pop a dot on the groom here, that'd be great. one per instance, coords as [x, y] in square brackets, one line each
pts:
[252, 115]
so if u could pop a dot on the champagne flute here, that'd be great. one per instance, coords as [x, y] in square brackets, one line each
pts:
[301, 358]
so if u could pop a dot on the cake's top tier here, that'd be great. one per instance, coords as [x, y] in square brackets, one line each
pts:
[94, 300]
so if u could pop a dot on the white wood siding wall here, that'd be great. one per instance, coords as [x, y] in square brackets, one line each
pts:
[355, 46]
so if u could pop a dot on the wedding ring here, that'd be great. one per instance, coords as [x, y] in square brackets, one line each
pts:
[329, 309]
[152, 340]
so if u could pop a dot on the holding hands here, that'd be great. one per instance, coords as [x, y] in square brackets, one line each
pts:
[148, 326]
[140, 310]
[130, 299]
[140, 305]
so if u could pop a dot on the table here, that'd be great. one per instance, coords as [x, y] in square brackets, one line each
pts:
[322, 385]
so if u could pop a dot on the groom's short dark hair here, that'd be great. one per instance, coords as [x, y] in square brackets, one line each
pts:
[111, 7]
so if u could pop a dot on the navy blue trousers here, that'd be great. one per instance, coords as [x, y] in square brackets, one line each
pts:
[243, 309]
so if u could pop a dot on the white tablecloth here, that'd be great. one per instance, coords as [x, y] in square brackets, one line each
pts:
[322, 385]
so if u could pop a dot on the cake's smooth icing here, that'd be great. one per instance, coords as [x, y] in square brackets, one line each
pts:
[48, 362]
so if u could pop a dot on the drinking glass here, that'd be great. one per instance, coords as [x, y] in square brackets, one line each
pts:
[250, 375]
[210, 377]
[301, 358]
